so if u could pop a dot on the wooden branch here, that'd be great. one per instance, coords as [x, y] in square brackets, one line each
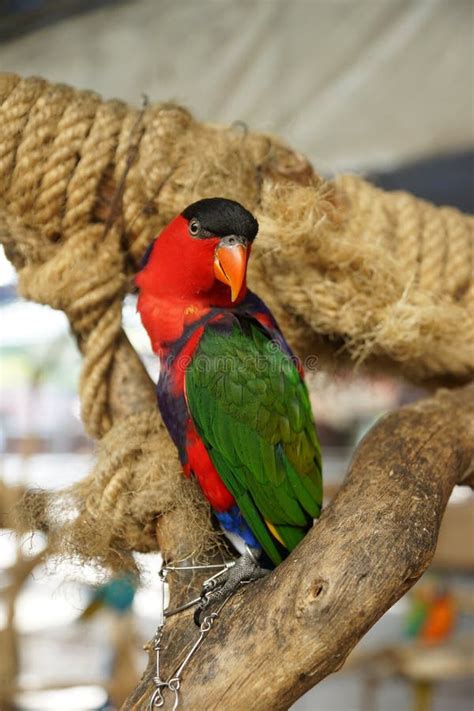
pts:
[281, 636]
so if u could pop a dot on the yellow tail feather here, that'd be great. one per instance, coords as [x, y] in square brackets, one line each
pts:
[274, 533]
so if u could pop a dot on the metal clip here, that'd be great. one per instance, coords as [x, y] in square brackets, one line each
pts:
[173, 684]
[157, 700]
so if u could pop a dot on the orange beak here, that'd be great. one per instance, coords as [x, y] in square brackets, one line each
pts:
[230, 266]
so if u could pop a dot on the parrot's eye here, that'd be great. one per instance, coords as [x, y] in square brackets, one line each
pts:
[194, 227]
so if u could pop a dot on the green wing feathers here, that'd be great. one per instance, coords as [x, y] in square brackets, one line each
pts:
[252, 410]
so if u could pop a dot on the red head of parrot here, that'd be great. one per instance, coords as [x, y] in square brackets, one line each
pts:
[202, 253]
[197, 262]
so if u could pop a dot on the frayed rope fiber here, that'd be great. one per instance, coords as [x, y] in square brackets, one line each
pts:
[136, 478]
[85, 185]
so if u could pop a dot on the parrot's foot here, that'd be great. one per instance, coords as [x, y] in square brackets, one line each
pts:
[218, 589]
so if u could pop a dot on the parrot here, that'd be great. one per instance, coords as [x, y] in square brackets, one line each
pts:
[230, 391]
[117, 595]
[432, 615]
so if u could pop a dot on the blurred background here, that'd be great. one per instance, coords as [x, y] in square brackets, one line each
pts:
[381, 87]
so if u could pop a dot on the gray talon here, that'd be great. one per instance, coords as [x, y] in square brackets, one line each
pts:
[245, 570]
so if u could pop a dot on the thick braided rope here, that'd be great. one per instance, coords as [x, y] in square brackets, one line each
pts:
[390, 274]
[394, 276]
[49, 184]
[84, 187]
